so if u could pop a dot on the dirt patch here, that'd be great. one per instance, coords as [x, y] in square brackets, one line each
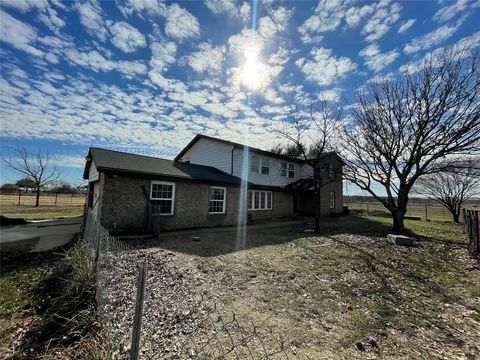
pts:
[323, 294]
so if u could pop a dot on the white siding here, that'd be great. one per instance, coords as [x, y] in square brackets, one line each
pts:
[273, 179]
[210, 153]
[93, 173]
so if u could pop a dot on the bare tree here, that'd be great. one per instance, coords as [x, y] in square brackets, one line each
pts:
[452, 187]
[405, 128]
[311, 133]
[39, 167]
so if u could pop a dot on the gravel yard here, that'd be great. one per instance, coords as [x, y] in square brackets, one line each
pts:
[345, 294]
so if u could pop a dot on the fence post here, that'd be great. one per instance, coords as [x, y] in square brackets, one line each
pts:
[137, 320]
[19, 197]
[426, 212]
[97, 254]
[368, 209]
[56, 199]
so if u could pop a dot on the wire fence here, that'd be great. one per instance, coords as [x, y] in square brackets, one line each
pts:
[46, 199]
[160, 317]
[423, 212]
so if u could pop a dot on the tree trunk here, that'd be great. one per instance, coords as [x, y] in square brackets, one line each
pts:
[398, 220]
[456, 217]
[37, 197]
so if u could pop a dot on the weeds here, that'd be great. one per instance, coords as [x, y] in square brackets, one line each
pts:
[65, 302]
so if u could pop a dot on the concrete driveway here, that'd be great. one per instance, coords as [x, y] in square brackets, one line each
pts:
[39, 236]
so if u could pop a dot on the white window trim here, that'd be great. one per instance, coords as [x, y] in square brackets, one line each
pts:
[259, 165]
[281, 169]
[224, 201]
[252, 200]
[288, 170]
[265, 166]
[172, 198]
[332, 199]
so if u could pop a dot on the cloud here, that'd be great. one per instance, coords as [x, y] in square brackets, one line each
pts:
[329, 15]
[375, 60]
[406, 25]
[181, 24]
[386, 14]
[207, 59]
[163, 54]
[448, 12]
[324, 68]
[91, 17]
[331, 95]
[151, 7]
[431, 39]
[18, 34]
[126, 37]
[222, 7]
[245, 11]
[95, 61]
[51, 19]
[25, 5]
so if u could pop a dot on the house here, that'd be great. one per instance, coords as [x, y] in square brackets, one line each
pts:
[211, 182]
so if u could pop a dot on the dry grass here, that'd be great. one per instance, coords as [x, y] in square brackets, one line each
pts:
[415, 301]
[67, 206]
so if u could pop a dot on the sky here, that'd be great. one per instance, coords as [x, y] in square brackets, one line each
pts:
[146, 76]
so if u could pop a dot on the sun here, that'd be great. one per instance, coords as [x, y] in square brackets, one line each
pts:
[251, 70]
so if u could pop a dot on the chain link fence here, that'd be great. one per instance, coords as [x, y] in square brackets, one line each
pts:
[175, 322]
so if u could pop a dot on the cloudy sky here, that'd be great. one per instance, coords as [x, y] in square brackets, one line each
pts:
[145, 76]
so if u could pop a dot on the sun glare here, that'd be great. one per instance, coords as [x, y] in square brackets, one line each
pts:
[251, 70]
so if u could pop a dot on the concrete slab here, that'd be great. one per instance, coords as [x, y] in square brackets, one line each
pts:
[401, 240]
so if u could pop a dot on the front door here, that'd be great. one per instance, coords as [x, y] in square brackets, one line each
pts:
[295, 203]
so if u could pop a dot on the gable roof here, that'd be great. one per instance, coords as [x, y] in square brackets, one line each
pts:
[236, 145]
[139, 164]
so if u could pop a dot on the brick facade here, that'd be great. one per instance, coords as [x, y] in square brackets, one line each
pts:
[125, 199]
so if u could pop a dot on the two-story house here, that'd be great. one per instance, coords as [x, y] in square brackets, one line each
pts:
[211, 182]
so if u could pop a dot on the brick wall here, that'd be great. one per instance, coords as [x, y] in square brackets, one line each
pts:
[307, 200]
[124, 206]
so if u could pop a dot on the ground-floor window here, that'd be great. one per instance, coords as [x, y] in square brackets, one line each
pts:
[260, 200]
[218, 197]
[332, 200]
[162, 196]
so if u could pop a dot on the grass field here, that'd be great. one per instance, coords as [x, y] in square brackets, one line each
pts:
[433, 212]
[323, 293]
[66, 206]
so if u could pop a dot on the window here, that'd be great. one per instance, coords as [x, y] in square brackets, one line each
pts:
[254, 164]
[291, 171]
[283, 169]
[332, 200]
[259, 200]
[217, 200]
[162, 196]
[331, 171]
[265, 166]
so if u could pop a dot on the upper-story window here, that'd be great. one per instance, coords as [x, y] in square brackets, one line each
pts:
[254, 164]
[265, 166]
[291, 171]
[287, 169]
[331, 171]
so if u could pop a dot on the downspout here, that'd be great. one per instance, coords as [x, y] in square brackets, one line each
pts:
[231, 161]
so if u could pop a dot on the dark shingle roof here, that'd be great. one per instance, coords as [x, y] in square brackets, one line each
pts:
[140, 164]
